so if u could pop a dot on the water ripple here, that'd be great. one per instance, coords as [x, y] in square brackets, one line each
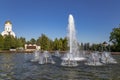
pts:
[19, 67]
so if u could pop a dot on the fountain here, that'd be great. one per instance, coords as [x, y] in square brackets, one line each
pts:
[45, 58]
[94, 59]
[57, 54]
[100, 58]
[36, 56]
[70, 58]
[107, 58]
[42, 58]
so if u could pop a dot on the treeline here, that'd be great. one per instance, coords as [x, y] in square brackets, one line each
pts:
[95, 47]
[47, 44]
[61, 44]
[9, 42]
[114, 39]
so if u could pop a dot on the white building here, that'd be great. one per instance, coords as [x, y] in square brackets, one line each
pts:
[8, 29]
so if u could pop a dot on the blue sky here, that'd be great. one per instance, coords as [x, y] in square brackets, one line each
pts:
[94, 19]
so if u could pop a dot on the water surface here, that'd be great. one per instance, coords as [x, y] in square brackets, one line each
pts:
[18, 67]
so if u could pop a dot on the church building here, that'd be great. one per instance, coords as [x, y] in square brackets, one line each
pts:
[8, 29]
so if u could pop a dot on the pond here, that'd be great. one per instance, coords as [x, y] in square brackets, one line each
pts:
[17, 66]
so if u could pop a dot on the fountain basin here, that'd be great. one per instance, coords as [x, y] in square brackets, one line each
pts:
[94, 64]
[75, 59]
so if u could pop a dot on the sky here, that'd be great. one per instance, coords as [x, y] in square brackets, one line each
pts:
[94, 19]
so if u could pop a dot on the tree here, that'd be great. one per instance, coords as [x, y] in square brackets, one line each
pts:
[95, 47]
[1, 42]
[115, 38]
[60, 44]
[44, 42]
[19, 43]
[86, 46]
[9, 42]
[33, 41]
[82, 46]
[65, 44]
[13, 42]
[51, 45]
[55, 44]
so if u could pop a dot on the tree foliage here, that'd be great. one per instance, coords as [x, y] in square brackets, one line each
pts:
[20, 42]
[33, 41]
[44, 42]
[1, 42]
[65, 44]
[7, 42]
[115, 38]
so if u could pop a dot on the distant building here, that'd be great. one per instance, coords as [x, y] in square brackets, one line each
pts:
[30, 47]
[8, 29]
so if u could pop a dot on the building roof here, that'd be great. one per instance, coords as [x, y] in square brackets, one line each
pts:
[8, 22]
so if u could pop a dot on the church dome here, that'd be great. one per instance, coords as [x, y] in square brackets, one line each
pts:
[8, 22]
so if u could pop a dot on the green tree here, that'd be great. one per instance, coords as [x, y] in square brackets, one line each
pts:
[60, 44]
[55, 44]
[23, 40]
[65, 44]
[94, 47]
[86, 46]
[33, 41]
[1, 42]
[28, 42]
[82, 46]
[115, 38]
[44, 42]
[19, 43]
[51, 45]
[9, 42]
[13, 42]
